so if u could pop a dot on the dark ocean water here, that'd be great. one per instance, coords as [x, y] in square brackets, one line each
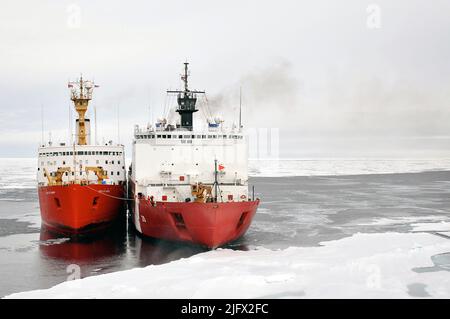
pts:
[294, 211]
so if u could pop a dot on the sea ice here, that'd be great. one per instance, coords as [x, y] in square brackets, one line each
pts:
[360, 266]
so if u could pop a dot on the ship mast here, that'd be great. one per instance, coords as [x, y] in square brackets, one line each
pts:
[81, 94]
[240, 108]
[185, 77]
[186, 101]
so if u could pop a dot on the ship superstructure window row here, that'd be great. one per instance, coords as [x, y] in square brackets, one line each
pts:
[161, 136]
[81, 153]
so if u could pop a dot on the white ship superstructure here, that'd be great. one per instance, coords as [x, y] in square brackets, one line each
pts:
[78, 161]
[167, 162]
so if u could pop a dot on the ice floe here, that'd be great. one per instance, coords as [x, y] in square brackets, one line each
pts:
[360, 266]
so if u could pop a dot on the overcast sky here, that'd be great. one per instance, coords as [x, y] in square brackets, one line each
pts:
[337, 78]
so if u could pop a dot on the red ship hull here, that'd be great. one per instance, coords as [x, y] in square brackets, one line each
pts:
[78, 209]
[207, 224]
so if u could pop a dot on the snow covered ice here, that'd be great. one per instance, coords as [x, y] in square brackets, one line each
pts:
[360, 266]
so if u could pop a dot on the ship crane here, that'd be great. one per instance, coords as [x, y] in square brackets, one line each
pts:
[57, 179]
[202, 193]
[98, 171]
